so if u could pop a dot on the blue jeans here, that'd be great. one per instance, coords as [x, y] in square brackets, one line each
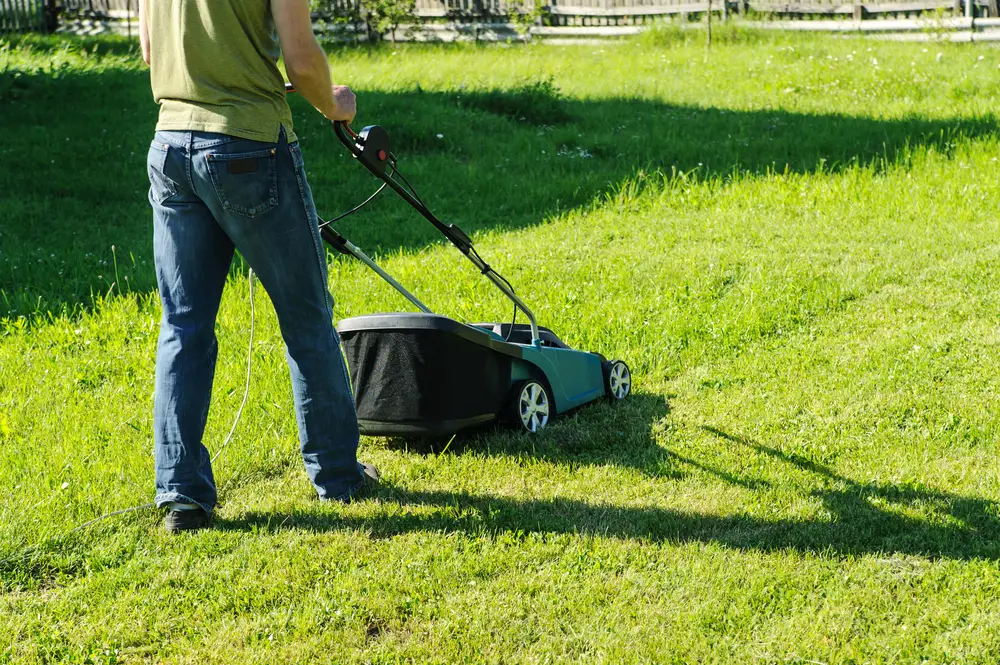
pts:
[212, 194]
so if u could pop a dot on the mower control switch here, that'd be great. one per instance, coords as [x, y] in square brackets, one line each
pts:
[374, 142]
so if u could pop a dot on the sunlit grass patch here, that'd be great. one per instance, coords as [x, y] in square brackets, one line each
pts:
[792, 241]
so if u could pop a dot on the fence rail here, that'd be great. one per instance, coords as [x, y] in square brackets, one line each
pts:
[94, 16]
[630, 12]
[23, 16]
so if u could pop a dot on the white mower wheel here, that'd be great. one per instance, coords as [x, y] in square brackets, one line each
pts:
[618, 380]
[532, 406]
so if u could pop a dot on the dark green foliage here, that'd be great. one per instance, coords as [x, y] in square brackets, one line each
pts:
[381, 18]
[536, 103]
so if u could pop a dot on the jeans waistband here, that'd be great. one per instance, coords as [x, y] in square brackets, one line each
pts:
[198, 140]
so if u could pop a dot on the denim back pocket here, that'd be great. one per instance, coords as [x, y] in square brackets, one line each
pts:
[161, 187]
[247, 182]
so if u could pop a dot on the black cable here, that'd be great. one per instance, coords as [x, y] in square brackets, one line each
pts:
[513, 322]
[355, 208]
[513, 318]
[413, 192]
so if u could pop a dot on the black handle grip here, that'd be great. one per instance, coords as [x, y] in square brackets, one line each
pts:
[346, 135]
[338, 124]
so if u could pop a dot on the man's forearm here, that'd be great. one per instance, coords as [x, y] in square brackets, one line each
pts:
[144, 31]
[306, 63]
[311, 77]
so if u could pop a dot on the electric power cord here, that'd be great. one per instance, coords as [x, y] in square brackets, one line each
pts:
[246, 387]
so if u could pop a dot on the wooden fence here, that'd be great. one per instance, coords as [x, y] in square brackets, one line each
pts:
[92, 16]
[23, 16]
[637, 12]
[20, 16]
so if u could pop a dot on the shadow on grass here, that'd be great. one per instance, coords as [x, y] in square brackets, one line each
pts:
[874, 510]
[868, 518]
[620, 434]
[481, 158]
[859, 527]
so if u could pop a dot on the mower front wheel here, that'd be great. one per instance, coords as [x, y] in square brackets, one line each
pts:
[617, 380]
[531, 406]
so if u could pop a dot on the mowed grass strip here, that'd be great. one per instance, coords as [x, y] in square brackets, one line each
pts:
[793, 244]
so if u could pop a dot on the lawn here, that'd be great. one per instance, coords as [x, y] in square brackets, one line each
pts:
[793, 241]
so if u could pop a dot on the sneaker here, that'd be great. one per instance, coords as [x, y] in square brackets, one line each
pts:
[370, 475]
[186, 519]
[370, 479]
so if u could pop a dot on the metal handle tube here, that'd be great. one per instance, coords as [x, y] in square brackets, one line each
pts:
[345, 246]
[359, 255]
[451, 232]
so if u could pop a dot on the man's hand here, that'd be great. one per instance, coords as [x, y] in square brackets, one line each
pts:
[345, 104]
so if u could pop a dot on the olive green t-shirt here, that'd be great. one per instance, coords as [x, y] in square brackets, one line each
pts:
[213, 68]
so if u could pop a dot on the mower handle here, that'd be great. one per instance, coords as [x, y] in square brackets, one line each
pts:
[347, 136]
[336, 123]
[378, 143]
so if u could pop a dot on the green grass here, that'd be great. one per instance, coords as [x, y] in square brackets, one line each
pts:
[794, 244]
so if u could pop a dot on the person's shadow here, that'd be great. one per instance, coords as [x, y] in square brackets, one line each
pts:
[866, 518]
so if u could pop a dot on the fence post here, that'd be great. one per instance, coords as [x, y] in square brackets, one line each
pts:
[708, 19]
[51, 16]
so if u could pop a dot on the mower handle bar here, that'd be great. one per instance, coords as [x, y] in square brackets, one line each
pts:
[454, 234]
[291, 88]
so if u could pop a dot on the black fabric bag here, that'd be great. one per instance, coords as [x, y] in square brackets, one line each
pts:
[424, 374]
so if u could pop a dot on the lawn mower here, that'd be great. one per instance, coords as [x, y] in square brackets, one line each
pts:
[423, 374]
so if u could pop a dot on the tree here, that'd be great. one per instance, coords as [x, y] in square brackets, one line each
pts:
[385, 16]
[380, 17]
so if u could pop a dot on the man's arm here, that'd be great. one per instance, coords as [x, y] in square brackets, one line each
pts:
[306, 63]
[143, 31]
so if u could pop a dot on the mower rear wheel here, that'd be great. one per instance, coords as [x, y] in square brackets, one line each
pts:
[618, 380]
[532, 406]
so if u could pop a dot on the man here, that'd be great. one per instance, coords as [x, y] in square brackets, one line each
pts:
[226, 173]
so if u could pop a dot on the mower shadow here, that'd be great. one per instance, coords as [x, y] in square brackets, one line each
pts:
[505, 159]
[603, 433]
[848, 499]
